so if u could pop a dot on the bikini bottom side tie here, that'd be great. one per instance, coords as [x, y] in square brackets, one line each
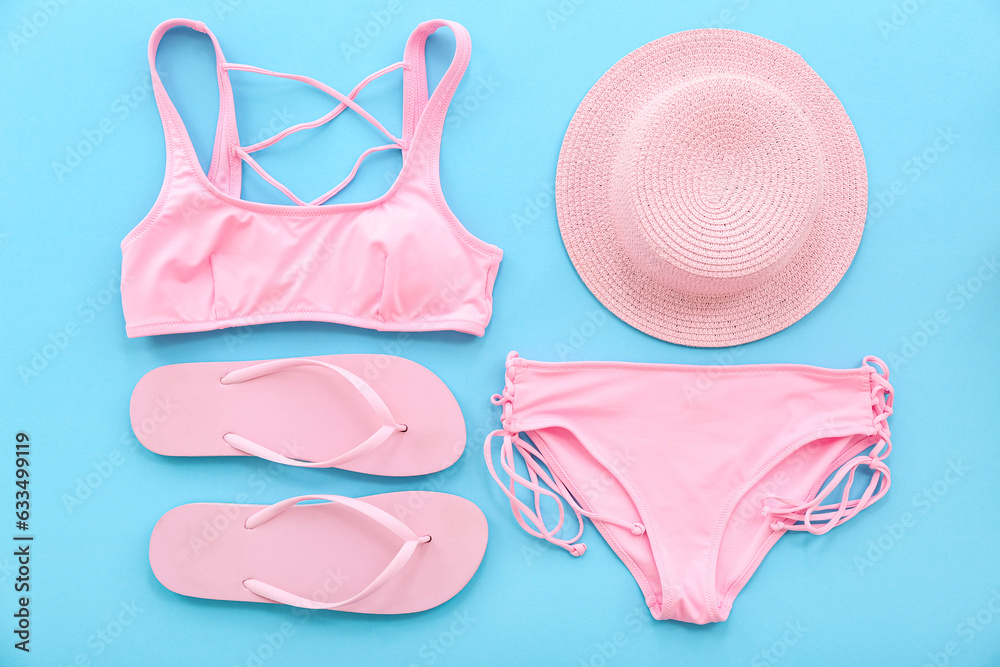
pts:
[692, 473]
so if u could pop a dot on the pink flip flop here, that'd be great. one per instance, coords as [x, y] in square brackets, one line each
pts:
[392, 553]
[367, 413]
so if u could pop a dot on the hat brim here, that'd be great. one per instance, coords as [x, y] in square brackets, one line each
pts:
[586, 171]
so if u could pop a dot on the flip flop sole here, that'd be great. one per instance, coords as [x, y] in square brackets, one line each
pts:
[322, 551]
[307, 413]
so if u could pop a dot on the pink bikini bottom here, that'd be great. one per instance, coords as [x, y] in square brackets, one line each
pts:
[692, 473]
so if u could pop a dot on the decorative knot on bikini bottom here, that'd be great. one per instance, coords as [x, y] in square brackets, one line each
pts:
[505, 399]
[537, 473]
[819, 519]
[882, 395]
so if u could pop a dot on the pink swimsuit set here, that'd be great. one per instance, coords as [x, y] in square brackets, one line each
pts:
[708, 193]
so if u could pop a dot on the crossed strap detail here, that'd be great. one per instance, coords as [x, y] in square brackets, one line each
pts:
[533, 459]
[388, 427]
[346, 102]
[228, 153]
[819, 519]
[410, 543]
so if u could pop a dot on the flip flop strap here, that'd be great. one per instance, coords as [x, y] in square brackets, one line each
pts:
[384, 432]
[410, 542]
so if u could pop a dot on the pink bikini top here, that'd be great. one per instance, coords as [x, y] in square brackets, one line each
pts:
[205, 259]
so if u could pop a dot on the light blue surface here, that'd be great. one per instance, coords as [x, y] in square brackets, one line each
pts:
[871, 592]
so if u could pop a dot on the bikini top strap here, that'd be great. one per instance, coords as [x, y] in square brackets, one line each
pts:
[419, 110]
[225, 170]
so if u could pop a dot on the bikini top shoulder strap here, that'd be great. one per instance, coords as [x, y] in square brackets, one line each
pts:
[423, 115]
[225, 170]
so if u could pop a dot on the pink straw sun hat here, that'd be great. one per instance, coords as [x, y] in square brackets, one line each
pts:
[711, 189]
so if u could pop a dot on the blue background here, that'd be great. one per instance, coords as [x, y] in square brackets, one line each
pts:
[868, 593]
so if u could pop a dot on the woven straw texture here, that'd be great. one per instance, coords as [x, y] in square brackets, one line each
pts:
[711, 189]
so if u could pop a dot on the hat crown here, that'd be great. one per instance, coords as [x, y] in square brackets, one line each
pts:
[717, 183]
[711, 188]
